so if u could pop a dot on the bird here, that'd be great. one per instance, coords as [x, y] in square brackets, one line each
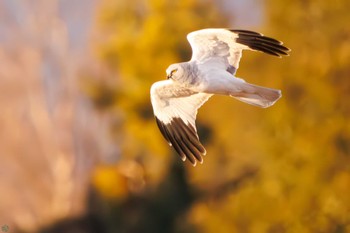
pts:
[216, 53]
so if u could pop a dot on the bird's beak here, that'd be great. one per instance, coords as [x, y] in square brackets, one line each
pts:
[168, 77]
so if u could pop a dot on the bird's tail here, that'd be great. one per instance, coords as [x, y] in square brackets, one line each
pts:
[258, 96]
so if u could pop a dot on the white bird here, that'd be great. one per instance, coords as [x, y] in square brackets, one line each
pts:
[215, 58]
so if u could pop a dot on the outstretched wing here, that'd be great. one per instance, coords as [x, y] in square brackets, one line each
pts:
[175, 109]
[225, 46]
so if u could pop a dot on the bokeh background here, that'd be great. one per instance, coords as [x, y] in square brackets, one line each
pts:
[80, 150]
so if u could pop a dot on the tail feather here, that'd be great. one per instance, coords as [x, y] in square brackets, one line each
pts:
[258, 96]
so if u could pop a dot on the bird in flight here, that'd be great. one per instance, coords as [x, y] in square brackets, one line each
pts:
[215, 59]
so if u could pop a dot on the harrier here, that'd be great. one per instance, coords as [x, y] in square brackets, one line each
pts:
[215, 59]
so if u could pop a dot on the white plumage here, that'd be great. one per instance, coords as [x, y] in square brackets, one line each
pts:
[215, 58]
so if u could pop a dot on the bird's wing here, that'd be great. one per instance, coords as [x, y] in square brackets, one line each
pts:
[175, 109]
[224, 46]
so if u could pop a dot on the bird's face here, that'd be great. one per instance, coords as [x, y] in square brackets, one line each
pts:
[174, 72]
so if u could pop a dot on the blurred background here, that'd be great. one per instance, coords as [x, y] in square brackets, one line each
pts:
[80, 150]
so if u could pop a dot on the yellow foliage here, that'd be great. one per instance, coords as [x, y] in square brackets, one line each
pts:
[300, 147]
[109, 182]
[140, 44]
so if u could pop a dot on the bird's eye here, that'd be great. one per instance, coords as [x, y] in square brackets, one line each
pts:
[173, 72]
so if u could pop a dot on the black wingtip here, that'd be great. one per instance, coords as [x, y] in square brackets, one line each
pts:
[184, 139]
[247, 32]
[259, 42]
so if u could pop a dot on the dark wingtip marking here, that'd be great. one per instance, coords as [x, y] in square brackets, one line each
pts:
[247, 32]
[259, 42]
[184, 139]
[170, 139]
[162, 130]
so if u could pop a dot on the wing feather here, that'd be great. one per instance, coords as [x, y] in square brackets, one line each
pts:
[226, 46]
[175, 109]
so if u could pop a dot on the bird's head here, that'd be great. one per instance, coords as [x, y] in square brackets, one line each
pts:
[175, 72]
